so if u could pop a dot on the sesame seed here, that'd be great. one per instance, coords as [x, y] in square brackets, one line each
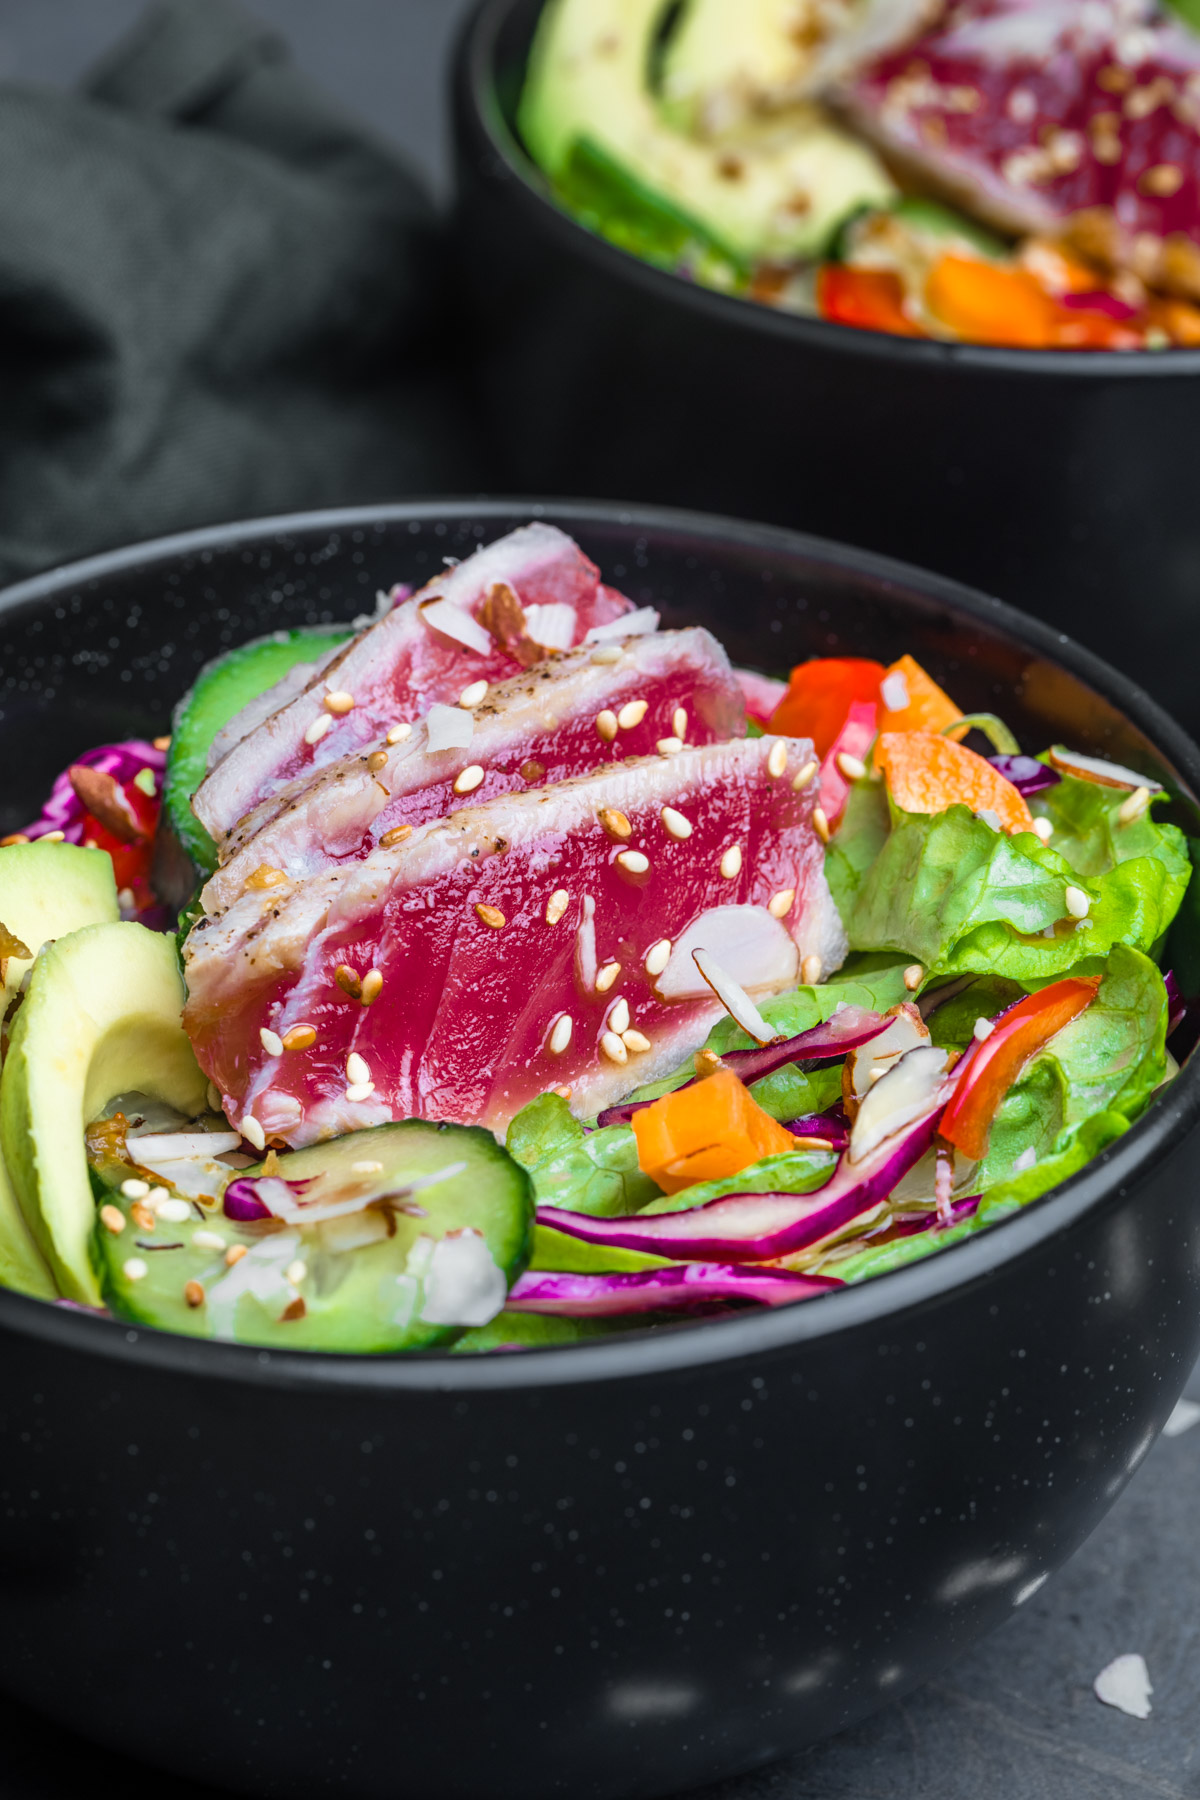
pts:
[491, 915]
[253, 1132]
[234, 1254]
[348, 980]
[208, 1240]
[271, 1042]
[1134, 806]
[113, 1219]
[125, 897]
[557, 905]
[633, 862]
[669, 746]
[706, 1062]
[852, 767]
[1043, 829]
[296, 1309]
[560, 1034]
[141, 1215]
[657, 957]
[1077, 902]
[295, 1272]
[612, 1047]
[618, 1018]
[615, 823]
[395, 836]
[731, 862]
[606, 724]
[157, 1195]
[1163, 180]
[398, 733]
[300, 1037]
[679, 722]
[564, 1093]
[632, 713]
[472, 695]
[193, 1293]
[377, 760]
[811, 970]
[469, 780]
[316, 731]
[606, 976]
[366, 1168]
[780, 904]
[635, 1042]
[983, 1030]
[812, 1143]
[777, 759]
[607, 653]
[53, 837]
[135, 1190]
[162, 743]
[359, 1090]
[357, 1069]
[677, 826]
[16, 837]
[372, 986]
[914, 975]
[801, 781]
[266, 877]
[339, 702]
[821, 824]
[174, 1211]
[136, 1269]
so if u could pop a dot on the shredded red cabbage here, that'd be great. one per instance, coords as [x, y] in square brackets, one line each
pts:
[64, 811]
[684, 1286]
[1176, 1004]
[1027, 774]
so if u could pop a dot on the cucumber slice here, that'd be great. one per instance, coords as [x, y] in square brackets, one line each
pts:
[388, 1274]
[101, 1018]
[221, 690]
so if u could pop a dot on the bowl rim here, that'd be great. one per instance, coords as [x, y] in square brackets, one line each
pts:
[697, 1344]
[478, 111]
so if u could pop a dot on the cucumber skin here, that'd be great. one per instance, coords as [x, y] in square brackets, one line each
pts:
[157, 1300]
[219, 692]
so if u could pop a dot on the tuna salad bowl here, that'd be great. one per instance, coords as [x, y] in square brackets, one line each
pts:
[505, 967]
[596, 1109]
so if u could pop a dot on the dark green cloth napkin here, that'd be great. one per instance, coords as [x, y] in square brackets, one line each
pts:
[218, 298]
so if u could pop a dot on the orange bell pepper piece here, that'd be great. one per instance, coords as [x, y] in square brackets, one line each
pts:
[997, 1062]
[820, 695]
[705, 1132]
[927, 773]
[870, 299]
[983, 304]
[923, 706]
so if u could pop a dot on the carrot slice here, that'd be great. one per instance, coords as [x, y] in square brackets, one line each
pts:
[820, 695]
[705, 1132]
[913, 701]
[983, 304]
[870, 299]
[996, 1063]
[927, 773]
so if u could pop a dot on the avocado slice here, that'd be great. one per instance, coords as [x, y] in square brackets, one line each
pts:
[101, 1018]
[394, 1264]
[220, 692]
[759, 195]
[723, 63]
[46, 891]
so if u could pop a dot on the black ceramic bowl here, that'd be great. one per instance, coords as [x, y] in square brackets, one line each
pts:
[628, 1566]
[1062, 481]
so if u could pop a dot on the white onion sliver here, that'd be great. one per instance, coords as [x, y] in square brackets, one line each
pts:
[448, 727]
[455, 622]
[754, 949]
[734, 999]
[642, 623]
[902, 1095]
[1095, 768]
[553, 626]
[181, 1146]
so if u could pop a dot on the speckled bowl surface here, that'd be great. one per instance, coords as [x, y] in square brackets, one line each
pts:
[630, 1566]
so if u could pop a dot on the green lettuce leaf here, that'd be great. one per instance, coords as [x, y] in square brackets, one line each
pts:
[792, 1172]
[1113, 1056]
[594, 1172]
[860, 837]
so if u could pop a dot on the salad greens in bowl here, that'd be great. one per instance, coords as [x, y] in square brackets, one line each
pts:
[508, 968]
[647, 1399]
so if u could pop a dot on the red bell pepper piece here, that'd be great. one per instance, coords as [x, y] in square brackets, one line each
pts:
[854, 739]
[997, 1062]
[820, 695]
[870, 299]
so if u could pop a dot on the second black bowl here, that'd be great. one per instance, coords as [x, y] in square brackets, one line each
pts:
[1062, 481]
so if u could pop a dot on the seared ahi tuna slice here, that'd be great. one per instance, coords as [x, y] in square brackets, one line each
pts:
[536, 586]
[1048, 115]
[568, 714]
[543, 940]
